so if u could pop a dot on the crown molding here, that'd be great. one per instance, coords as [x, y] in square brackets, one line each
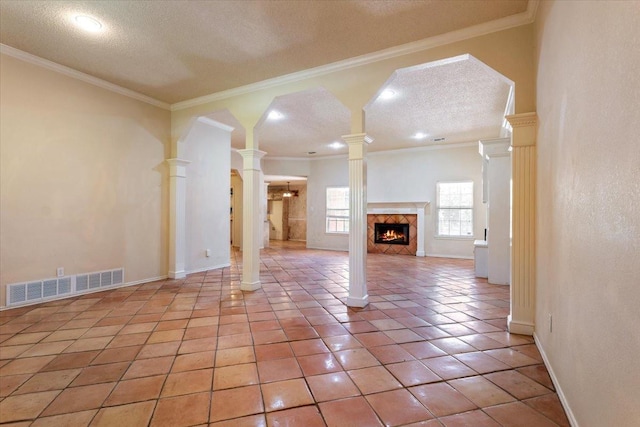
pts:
[433, 147]
[70, 72]
[523, 18]
[215, 123]
[307, 159]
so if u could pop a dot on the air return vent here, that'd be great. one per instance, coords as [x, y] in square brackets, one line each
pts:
[42, 290]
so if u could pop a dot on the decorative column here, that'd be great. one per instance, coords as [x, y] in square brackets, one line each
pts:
[252, 232]
[264, 217]
[177, 212]
[358, 296]
[523, 246]
[420, 207]
[496, 154]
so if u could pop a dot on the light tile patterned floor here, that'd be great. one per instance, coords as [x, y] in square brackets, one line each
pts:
[430, 350]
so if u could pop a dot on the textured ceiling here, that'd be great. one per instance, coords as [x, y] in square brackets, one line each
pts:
[178, 50]
[460, 100]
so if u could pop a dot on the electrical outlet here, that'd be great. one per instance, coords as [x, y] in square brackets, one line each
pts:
[207, 252]
[60, 271]
[550, 323]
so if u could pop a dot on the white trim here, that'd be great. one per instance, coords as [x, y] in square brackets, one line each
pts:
[214, 123]
[214, 267]
[358, 302]
[449, 256]
[70, 72]
[432, 147]
[333, 156]
[89, 291]
[505, 23]
[322, 248]
[425, 148]
[519, 327]
[556, 383]
[457, 238]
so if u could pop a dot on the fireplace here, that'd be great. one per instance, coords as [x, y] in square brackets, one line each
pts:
[391, 234]
[398, 213]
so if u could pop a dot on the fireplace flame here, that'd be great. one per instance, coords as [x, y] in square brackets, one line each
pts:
[391, 235]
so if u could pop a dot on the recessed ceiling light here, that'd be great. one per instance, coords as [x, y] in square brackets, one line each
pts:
[335, 145]
[419, 135]
[88, 23]
[387, 94]
[275, 115]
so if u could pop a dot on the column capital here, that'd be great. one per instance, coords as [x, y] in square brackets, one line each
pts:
[251, 153]
[499, 147]
[357, 138]
[251, 158]
[522, 120]
[357, 144]
[178, 167]
[525, 127]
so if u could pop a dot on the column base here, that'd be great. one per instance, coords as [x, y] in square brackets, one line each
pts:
[177, 274]
[519, 327]
[358, 302]
[250, 286]
[421, 253]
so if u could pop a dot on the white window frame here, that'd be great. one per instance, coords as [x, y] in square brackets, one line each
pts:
[336, 215]
[449, 206]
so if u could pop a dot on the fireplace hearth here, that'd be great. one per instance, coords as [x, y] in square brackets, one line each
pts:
[391, 234]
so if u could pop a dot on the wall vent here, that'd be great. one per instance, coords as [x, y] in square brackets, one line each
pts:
[43, 290]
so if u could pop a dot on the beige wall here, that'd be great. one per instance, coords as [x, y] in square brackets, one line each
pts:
[588, 221]
[83, 183]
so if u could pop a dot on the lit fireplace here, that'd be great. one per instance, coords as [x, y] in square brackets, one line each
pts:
[392, 234]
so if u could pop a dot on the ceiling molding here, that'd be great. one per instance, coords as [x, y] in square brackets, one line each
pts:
[333, 156]
[501, 24]
[70, 72]
[432, 147]
[214, 123]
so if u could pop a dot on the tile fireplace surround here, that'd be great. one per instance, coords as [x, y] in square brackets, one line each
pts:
[387, 248]
[411, 213]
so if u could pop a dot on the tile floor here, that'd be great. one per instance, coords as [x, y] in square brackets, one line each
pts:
[429, 350]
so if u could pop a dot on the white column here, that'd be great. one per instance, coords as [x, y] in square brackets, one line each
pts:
[264, 217]
[497, 155]
[251, 219]
[523, 249]
[177, 211]
[420, 207]
[358, 296]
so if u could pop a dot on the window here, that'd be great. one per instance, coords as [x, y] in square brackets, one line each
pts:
[455, 209]
[338, 210]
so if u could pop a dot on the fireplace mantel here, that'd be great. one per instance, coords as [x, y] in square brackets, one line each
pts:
[391, 208]
[396, 207]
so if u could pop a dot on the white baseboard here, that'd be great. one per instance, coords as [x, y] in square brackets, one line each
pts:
[328, 249]
[554, 379]
[213, 267]
[449, 256]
